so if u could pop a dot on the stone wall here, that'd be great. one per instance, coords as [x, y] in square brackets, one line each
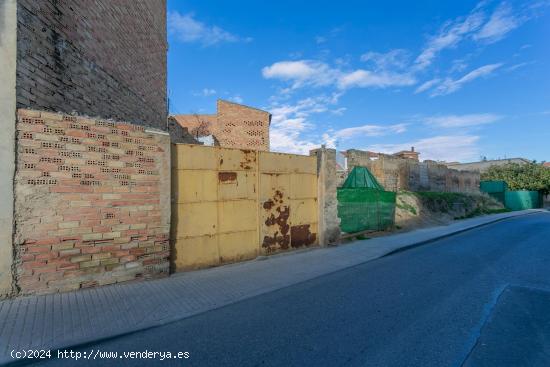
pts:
[92, 202]
[406, 174]
[102, 58]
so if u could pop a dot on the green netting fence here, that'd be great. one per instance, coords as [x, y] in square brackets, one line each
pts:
[513, 200]
[363, 204]
[523, 199]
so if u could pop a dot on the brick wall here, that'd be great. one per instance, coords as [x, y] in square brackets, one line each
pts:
[99, 58]
[234, 126]
[242, 126]
[92, 202]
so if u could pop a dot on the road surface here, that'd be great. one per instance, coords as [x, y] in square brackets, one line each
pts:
[480, 298]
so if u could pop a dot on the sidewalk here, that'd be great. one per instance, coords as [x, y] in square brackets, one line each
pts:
[69, 319]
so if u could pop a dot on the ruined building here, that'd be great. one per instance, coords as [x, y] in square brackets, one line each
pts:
[233, 126]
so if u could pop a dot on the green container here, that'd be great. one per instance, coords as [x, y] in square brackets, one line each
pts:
[523, 199]
[493, 186]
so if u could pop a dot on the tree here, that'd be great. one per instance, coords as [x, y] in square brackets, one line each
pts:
[531, 176]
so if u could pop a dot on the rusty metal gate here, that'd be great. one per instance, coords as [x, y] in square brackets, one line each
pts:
[230, 205]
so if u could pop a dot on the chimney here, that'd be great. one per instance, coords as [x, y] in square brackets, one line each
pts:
[412, 149]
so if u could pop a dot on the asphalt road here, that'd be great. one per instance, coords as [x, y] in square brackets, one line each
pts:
[465, 300]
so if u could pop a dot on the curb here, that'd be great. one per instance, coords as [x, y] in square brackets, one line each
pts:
[84, 343]
[434, 239]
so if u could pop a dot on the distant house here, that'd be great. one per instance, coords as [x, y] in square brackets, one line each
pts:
[408, 154]
[483, 166]
[546, 164]
[232, 126]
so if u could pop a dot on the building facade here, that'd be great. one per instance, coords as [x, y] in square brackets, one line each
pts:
[62, 60]
[233, 126]
[97, 58]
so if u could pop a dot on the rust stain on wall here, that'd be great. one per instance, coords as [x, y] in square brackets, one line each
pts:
[277, 217]
[301, 236]
[249, 159]
[227, 177]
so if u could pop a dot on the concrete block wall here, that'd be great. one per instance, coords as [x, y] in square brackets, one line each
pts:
[92, 202]
[99, 58]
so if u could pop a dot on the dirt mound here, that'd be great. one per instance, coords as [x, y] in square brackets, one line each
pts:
[423, 209]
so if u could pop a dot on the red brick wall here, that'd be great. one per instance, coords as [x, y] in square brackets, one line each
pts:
[97, 57]
[91, 202]
[242, 126]
[234, 126]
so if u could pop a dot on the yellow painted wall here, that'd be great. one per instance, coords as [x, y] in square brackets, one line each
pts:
[231, 205]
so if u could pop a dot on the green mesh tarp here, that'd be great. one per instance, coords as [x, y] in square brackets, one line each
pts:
[522, 199]
[366, 207]
[492, 186]
[360, 177]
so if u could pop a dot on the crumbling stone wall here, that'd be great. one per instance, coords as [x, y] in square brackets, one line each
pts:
[99, 58]
[396, 173]
[92, 202]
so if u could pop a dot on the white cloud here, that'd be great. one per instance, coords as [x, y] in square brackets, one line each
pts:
[449, 85]
[332, 138]
[455, 121]
[205, 92]
[364, 78]
[301, 72]
[236, 99]
[190, 30]
[518, 66]
[338, 111]
[315, 73]
[458, 66]
[290, 121]
[394, 59]
[449, 36]
[320, 39]
[440, 148]
[370, 130]
[501, 22]
[427, 85]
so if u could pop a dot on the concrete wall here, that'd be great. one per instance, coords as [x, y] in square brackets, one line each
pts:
[99, 58]
[406, 174]
[328, 180]
[8, 41]
[92, 202]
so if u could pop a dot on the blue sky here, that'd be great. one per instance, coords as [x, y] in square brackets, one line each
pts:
[456, 79]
